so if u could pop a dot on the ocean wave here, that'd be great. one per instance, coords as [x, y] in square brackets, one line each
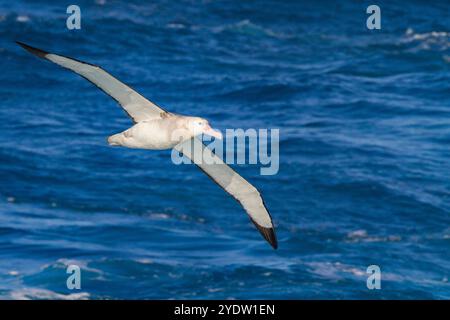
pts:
[249, 28]
[23, 18]
[434, 40]
[43, 294]
[63, 263]
[335, 270]
[361, 235]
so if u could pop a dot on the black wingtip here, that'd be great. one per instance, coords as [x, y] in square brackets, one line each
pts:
[38, 52]
[268, 234]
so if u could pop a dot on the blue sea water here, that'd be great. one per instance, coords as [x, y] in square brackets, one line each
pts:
[364, 179]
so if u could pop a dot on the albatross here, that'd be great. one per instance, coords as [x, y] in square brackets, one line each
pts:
[156, 129]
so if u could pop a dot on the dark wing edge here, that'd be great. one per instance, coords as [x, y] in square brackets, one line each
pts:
[41, 54]
[267, 233]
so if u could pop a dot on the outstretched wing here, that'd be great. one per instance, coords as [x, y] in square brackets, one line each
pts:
[239, 188]
[135, 105]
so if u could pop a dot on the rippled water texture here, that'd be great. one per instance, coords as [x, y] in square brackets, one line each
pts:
[364, 119]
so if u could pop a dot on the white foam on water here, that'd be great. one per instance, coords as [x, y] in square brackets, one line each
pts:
[22, 19]
[36, 293]
[433, 40]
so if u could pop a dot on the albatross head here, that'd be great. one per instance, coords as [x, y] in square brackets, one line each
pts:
[198, 126]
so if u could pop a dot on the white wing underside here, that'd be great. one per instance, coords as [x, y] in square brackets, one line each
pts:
[137, 107]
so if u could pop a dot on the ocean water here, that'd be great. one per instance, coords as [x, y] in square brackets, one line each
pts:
[364, 179]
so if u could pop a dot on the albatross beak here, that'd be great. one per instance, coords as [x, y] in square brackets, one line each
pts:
[213, 133]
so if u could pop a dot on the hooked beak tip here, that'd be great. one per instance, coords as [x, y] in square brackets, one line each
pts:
[214, 133]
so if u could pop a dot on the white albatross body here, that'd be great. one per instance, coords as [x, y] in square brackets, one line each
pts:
[156, 134]
[156, 129]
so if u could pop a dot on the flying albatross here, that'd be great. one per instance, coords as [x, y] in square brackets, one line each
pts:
[155, 129]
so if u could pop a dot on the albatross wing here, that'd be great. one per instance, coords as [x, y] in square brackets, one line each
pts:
[239, 188]
[135, 105]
